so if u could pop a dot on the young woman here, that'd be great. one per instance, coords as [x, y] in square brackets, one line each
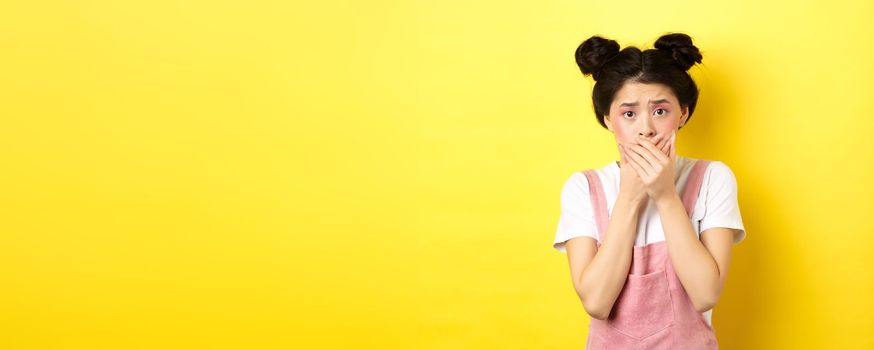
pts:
[648, 237]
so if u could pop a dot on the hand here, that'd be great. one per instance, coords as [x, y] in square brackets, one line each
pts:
[655, 165]
[630, 183]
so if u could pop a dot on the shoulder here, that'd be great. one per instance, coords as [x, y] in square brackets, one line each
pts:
[719, 180]
[577, 182]
[719, 172]
[576, 185]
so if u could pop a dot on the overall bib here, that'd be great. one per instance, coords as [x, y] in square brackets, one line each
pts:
[653, 310]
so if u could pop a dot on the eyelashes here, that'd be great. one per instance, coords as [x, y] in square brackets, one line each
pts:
[625, 114]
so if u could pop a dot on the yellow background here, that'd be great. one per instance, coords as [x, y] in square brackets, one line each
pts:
[386, 174]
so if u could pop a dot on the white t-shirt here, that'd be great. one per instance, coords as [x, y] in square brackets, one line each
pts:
[717, 205]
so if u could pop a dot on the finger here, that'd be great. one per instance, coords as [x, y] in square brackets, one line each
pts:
[639, 161]
[660, 156]
[665, 147]
[625, 157]
[648, 160]
[673, 153]
[660, 141]
[621, 157]
[634, 165]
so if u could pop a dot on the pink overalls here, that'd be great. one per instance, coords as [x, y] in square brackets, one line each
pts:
[653, 310]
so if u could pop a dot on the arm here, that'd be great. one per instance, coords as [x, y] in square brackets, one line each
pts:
[701, 265]
[599, 274]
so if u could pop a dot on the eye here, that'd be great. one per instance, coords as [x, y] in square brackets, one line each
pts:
[626, 114]
[661, 109]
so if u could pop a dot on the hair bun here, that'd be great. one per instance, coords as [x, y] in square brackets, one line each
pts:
[681, 49]
[593, 53]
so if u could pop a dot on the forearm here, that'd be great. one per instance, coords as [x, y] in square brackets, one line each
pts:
[695, 267]
[603, 278]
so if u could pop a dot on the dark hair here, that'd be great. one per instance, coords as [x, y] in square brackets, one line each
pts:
[667, 64]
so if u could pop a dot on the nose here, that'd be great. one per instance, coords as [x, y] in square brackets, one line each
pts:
[647, 131]
[646, 128]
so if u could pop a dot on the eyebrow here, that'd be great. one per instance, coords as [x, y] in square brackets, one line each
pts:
[663, 100]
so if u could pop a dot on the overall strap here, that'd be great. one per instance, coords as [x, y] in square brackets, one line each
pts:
[693, 185]
[599, 202]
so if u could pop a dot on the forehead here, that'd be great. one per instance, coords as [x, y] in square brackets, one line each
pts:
[643, 92]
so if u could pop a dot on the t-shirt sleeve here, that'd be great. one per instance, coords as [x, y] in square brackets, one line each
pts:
[721, 204]
[577, 216]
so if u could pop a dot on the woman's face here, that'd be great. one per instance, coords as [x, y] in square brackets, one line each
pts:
[644, 111]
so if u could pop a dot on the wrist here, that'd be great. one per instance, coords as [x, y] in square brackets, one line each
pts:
[668, 199]
[633, 200]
